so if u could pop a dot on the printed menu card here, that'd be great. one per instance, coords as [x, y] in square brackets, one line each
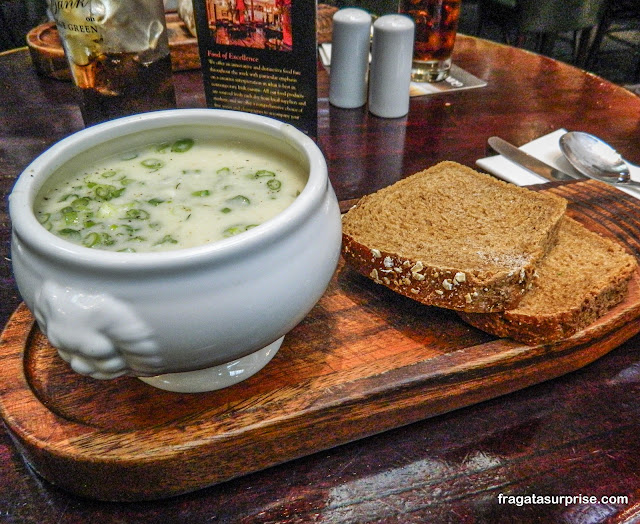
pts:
[260, 56]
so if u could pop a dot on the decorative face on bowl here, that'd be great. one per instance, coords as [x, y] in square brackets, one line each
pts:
[157, 245]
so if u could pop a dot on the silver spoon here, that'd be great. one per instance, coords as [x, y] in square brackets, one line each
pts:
[596, 159]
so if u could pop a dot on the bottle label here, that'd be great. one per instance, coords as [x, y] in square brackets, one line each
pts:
[79, 29]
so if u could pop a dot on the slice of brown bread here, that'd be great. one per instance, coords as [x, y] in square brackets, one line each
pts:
[583, 276]
[452, 237]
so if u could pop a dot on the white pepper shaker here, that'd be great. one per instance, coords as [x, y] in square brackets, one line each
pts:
[350, 48]
[391, 57]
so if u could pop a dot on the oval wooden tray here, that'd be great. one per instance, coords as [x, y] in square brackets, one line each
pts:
[365, 360]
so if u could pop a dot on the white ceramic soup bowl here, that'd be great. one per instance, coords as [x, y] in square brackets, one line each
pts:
[188, 320]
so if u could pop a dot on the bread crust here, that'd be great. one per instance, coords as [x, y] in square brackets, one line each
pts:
[550, 320]
[437, 286]
[543, 329]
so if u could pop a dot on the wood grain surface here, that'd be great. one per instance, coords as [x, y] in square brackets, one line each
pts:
[365, 360]
[576, 434]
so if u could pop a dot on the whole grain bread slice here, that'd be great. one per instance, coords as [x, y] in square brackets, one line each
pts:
[452, 237]
[583, 276]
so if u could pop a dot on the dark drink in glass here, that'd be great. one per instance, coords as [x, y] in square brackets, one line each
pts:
[120, 84]
[436, 28]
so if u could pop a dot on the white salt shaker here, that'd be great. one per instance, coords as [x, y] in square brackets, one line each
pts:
[350, 49]
[391, 57]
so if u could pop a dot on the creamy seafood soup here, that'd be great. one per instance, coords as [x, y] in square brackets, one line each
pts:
[170, 194]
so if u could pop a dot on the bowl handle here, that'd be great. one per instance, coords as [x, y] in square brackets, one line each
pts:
[96, 333]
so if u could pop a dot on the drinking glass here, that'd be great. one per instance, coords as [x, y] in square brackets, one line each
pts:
[118, 53]
[436, 28]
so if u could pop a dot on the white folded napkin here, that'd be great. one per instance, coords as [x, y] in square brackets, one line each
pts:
[547, 149]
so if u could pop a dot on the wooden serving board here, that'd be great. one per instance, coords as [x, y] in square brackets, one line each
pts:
[365, 360]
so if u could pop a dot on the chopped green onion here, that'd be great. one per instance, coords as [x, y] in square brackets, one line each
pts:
[80, 203]
[69, 215]
[239, 200]
[130, 230]
[70, 233]
[91, 239]
[129, 155]
[43, 218]
[137, 214]
[182, 146]
[106, 239]
[108, 174]
[201, 193]
[67, 196]
[155, 201]
[234, 230]
[107, 191]
[167, 239]
[274, 184]
[152, 163]
[162, 147]
[262, 173]
[231, 231]
[225, 210]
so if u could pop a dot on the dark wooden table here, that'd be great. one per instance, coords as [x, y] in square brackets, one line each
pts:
[573, 436]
